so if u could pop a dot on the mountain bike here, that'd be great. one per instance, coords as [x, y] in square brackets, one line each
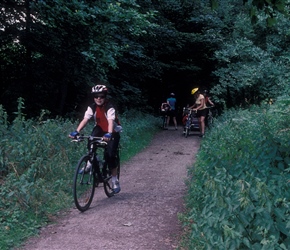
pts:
[191, 121]
[92, 169]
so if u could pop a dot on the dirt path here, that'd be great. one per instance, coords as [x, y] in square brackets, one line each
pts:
[143, 215]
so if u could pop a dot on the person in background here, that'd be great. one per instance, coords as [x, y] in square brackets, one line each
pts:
[164, 109]
[172, 110]
[207, 99]
[200, 108]
[106, 126]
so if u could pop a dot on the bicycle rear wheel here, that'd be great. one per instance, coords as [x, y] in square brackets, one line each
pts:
[108, 187]
[209, 119]
[186, 134]
[84, 184]
[164, 121]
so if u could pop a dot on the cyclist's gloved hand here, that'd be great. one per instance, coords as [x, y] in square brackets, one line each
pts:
[107, 136]
[74, 134]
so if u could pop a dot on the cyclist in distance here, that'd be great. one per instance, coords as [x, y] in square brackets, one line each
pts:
[207, 99]
[172, 111]
[106, 126]
[200, 108]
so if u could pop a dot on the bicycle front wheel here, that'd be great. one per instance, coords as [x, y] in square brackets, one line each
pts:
[84, 184]
[186, 134]
[164, 120]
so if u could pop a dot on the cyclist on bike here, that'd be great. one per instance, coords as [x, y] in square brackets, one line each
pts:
[200, 108]
[106, 125]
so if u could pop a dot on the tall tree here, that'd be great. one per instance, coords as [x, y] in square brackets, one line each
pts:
[69, 44]
[253, 60]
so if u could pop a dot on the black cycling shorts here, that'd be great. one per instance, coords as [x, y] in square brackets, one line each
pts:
[172, 113]
[201, 112]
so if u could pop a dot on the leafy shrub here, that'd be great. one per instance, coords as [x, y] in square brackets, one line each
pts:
[37, 162]
[239, 189]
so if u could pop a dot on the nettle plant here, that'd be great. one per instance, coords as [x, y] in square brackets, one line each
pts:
[239, 190]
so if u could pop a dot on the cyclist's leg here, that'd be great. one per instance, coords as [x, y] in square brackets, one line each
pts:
[111, 158]
[202, 124]
[174, 119]
[108, 185]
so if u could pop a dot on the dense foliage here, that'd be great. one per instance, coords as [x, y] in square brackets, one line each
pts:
[51, 52]
[253, 60]
[239, 189]
[37, 162]
[57, 49]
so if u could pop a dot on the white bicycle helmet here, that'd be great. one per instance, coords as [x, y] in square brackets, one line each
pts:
[99, 89]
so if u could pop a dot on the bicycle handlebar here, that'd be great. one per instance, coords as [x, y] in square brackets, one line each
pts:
[80, 138]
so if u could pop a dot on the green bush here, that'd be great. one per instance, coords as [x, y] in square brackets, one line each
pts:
[239, 186]
[37, 162]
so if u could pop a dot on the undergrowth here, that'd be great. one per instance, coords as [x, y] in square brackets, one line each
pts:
[238, 195]
[37, 162]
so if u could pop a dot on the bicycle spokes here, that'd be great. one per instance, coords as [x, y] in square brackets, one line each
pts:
[84, 185]
[86, 179]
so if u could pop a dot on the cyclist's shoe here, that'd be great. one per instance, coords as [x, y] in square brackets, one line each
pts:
[201, 135]
[87, 168]
[116, 187]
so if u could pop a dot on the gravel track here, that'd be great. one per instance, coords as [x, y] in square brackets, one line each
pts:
[143, 215]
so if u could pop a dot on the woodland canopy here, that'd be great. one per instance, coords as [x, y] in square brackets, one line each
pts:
[52, 52]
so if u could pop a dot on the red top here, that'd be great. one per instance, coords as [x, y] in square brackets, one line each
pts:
[101, 118]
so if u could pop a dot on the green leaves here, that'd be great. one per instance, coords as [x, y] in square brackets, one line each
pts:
[239, 193]
[252, 62]
[37, 160]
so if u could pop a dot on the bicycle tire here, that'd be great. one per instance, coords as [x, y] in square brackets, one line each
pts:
[187, 127]
[209, 119]
[164, 122]
[83, 185]
[186, 132]
[108, 187]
